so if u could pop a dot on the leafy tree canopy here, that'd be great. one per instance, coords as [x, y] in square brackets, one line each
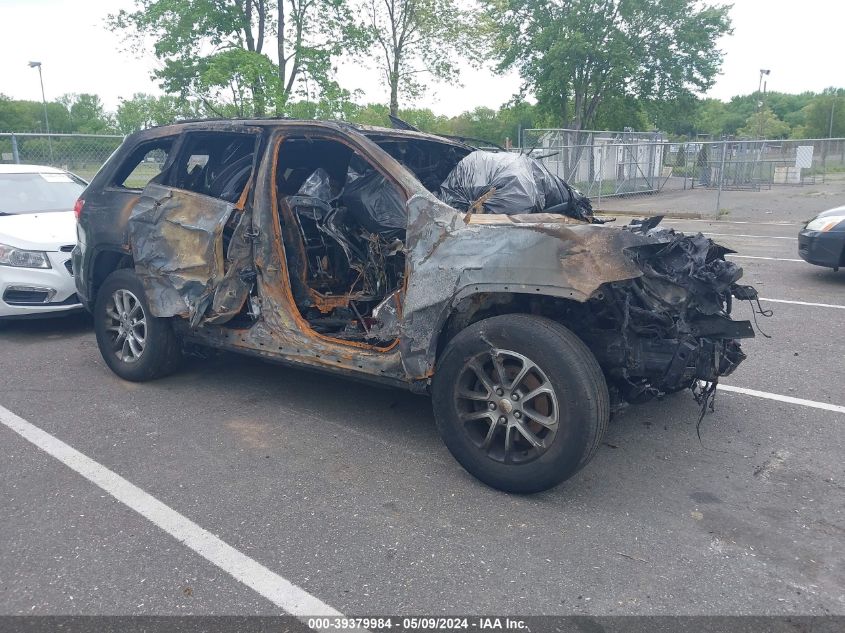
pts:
[417, 41]
[573, 54]
[250, 56]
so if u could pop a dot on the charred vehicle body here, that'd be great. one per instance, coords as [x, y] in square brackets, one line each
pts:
[401, 257]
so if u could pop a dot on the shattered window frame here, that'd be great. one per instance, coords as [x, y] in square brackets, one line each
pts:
[359, 149]
[170, 145]
[240, 171]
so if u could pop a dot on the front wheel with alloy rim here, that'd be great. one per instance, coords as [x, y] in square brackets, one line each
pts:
[136, 345]
[520, 402]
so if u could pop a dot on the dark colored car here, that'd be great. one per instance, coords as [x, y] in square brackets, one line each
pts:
[331, 246]
[822, 240]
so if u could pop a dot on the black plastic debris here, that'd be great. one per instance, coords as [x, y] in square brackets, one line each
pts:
[374, 202]
[694, 263]
[503, 182]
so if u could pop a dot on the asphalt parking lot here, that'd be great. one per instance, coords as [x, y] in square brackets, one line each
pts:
[346, 491]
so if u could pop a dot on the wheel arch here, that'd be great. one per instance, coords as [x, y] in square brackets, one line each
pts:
[106, 261]
[470, 307]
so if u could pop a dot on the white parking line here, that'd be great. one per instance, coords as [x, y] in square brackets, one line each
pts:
[774, 259]
[281, 592]
[677, 220]
[804, 303]
[768, 237]
[788, 399]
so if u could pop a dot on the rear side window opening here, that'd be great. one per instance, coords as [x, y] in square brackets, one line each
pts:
[144, 163]
[214, 164]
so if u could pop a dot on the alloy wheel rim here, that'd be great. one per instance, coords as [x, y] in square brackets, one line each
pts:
[507, 406]
[127, 326]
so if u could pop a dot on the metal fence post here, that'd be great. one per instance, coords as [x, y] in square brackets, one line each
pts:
[601, 171]
[721, 177]
[16, 157]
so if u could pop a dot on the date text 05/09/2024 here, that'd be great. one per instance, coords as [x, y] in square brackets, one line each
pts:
[491, 623]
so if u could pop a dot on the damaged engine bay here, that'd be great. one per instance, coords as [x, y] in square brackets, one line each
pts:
[669, 329]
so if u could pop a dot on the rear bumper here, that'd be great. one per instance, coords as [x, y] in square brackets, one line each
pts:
[822, 249]
[38, 291]
[79, 265]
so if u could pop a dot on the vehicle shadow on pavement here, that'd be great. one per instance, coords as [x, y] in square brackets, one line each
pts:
[827, 278]
[651, 437]
[47, 327]
[322, 407]
[358, 407]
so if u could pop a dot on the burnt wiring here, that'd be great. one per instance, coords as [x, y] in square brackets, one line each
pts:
[705, 395]
[750, 294]
[762, 312]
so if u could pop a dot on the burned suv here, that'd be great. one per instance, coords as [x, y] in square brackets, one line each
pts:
[475, 275]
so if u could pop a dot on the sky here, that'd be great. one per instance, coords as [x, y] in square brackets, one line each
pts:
[800, 42]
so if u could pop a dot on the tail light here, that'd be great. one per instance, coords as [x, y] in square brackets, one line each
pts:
[77, 208]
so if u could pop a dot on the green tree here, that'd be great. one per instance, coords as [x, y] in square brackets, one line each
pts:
[425, 119]
[417, 40]
[28, 116]
[516, 116]
[573, 54]
[86, 114]
[717, 118]
[19, 116]
[618, 111]
[481, 123]
[143, 111]
[675, 116]
[764, 124]
[370, 114]
[218, 50]
[789, 107]
[824, 109]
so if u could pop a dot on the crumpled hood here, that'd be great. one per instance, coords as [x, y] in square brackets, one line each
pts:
[38, 231]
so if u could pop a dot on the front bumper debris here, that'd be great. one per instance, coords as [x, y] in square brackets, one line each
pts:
[669, 328]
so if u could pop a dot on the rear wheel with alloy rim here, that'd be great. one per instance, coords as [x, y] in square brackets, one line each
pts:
[520, 401]
[135, 345]
[127, 325]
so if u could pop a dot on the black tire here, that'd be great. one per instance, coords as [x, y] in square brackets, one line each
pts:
[161, 350]
[565, 365]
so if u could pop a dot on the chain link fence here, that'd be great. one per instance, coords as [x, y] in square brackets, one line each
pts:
[755, 165]
[622, 172]
[601, 164]
[638, 172]
[82, 154]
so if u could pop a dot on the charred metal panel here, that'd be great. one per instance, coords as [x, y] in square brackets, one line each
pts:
[233, 290]
[545, 254]
[176, 238]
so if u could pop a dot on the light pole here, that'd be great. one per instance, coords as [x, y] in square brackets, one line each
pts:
[760, 101]
[44, 101]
